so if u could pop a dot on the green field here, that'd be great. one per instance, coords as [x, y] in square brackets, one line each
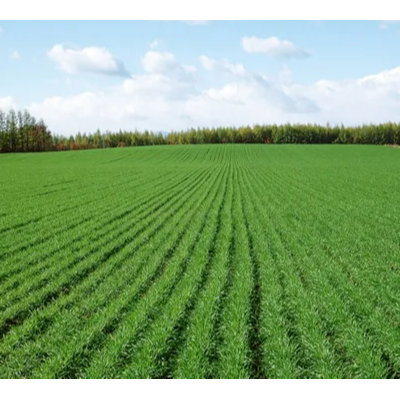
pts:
[207, 261]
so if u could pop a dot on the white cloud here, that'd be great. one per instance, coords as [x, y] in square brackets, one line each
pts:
[273, 47]
[7, 103]
[222, 65]
[374, 98]
[89, 59]
[167, 96]
[386, 24]
[285, 75]
[207, 62]
[155, 62]
[15, 55]
[1, 30]
[257, 84]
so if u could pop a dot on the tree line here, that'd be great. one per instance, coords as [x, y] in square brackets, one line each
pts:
[21, 132]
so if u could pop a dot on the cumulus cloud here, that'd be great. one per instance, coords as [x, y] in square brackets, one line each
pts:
[164, 63]
[273, 47]
[15, 55]
[151, 99]
[222, 65]
[7, 103]
[156, 62]
[258, 85]
[86, 60]
[371, 99]
[285, 75]
[169, 95]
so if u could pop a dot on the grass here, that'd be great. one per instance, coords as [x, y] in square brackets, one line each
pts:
[207, 261]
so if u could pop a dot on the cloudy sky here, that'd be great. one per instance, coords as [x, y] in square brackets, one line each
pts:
[163, 75]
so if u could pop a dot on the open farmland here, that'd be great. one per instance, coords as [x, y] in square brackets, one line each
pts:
[222, 261]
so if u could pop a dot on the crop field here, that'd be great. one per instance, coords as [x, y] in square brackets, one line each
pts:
[205, 261]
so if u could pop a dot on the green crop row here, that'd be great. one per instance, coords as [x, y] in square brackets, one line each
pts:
[214, 261]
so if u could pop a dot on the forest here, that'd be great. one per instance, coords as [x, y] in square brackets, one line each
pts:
[21, 132]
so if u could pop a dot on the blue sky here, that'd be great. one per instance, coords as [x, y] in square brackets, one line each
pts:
[176, 74]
